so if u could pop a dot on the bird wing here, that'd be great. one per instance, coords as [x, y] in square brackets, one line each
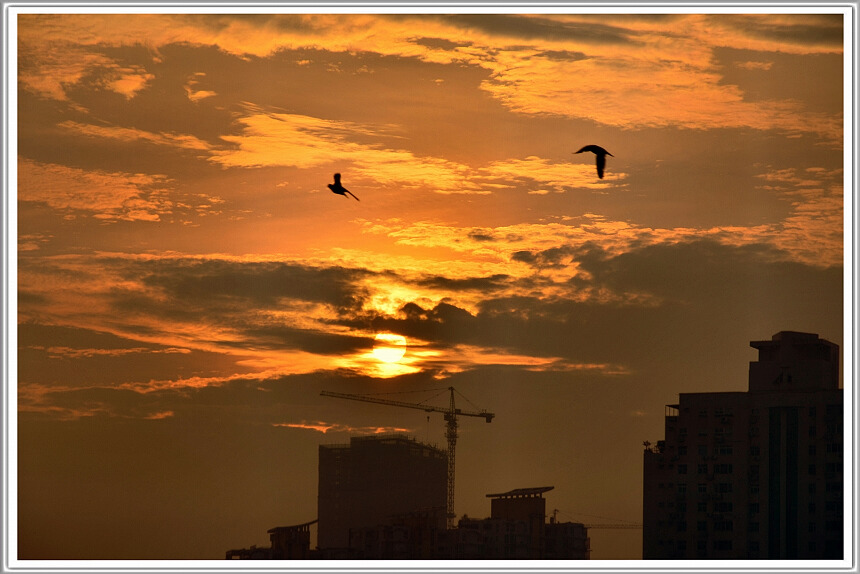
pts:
[585, 148]
[337, 179]
[601, 163]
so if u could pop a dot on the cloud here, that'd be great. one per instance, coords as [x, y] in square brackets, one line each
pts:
[110, 196]
[557, 176]
[614, 70]
[269, 139]
[132, 135]
[325, 428]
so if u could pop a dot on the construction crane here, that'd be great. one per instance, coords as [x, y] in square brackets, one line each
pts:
[451, 412]
[627, 525]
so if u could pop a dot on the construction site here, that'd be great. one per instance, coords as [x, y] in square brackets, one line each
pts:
[391, 497]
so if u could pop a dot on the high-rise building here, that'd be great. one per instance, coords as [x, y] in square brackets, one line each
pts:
[757, 474]
[374, 478]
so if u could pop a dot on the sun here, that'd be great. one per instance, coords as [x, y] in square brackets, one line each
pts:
[389, 348]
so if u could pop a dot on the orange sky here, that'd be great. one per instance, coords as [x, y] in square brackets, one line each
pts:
[187, 283]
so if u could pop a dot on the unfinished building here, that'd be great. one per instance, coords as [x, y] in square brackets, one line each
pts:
[374, 478]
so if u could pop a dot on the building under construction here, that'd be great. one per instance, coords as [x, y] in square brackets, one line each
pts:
[384, 498]
[517, 529]
[374, 478]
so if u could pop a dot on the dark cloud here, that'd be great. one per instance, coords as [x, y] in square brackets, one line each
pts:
[769, 76]
[544, 28]
[285, 337]
[479, 236]
[485, 284]
[78, 357]
[633, 309]
[814, 29]
[441, 43]
[259, 284]
[562, 55]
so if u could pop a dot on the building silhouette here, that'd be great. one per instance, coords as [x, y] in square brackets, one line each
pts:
[384, 498]
[757, 474]
[288, 543]
[374, 478]
[516, 530]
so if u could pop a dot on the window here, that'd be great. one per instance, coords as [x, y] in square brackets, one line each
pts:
[723, 468]
[812, 431]
[812, 450]
[754, 508]
[724, 450]
[682, 488]
[682, 526]
[703, 450]
[722, 507]
[811, 508]
[722, 545]
[755, 451]
[681, 545]
[834, 410]
[724, 487]
[753, 545]
[682, 469]
[834, 447]
[702, 507]
[723, 526]
[811, 488]
[702, 526]
[752, 527]
[832, 506]
[703, 469]
[812, 411]
[811, 469]
[811, 527]
[703, 487]
[682, 450]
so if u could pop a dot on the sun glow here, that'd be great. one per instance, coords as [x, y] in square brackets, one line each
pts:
[389, 348]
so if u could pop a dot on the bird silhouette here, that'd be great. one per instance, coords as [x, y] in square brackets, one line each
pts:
[601, 154]
[337, 188]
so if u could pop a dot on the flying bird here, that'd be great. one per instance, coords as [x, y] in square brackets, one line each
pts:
[601, 154]
[337, 188]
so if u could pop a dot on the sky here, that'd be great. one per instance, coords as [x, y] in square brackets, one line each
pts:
[187, 284]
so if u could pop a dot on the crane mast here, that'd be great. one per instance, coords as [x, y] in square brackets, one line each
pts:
[450, 415]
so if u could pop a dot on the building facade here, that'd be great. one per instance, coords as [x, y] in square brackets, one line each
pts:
[757, 474]
[375, 478]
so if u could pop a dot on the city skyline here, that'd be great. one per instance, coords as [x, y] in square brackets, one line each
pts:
[188, 284]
